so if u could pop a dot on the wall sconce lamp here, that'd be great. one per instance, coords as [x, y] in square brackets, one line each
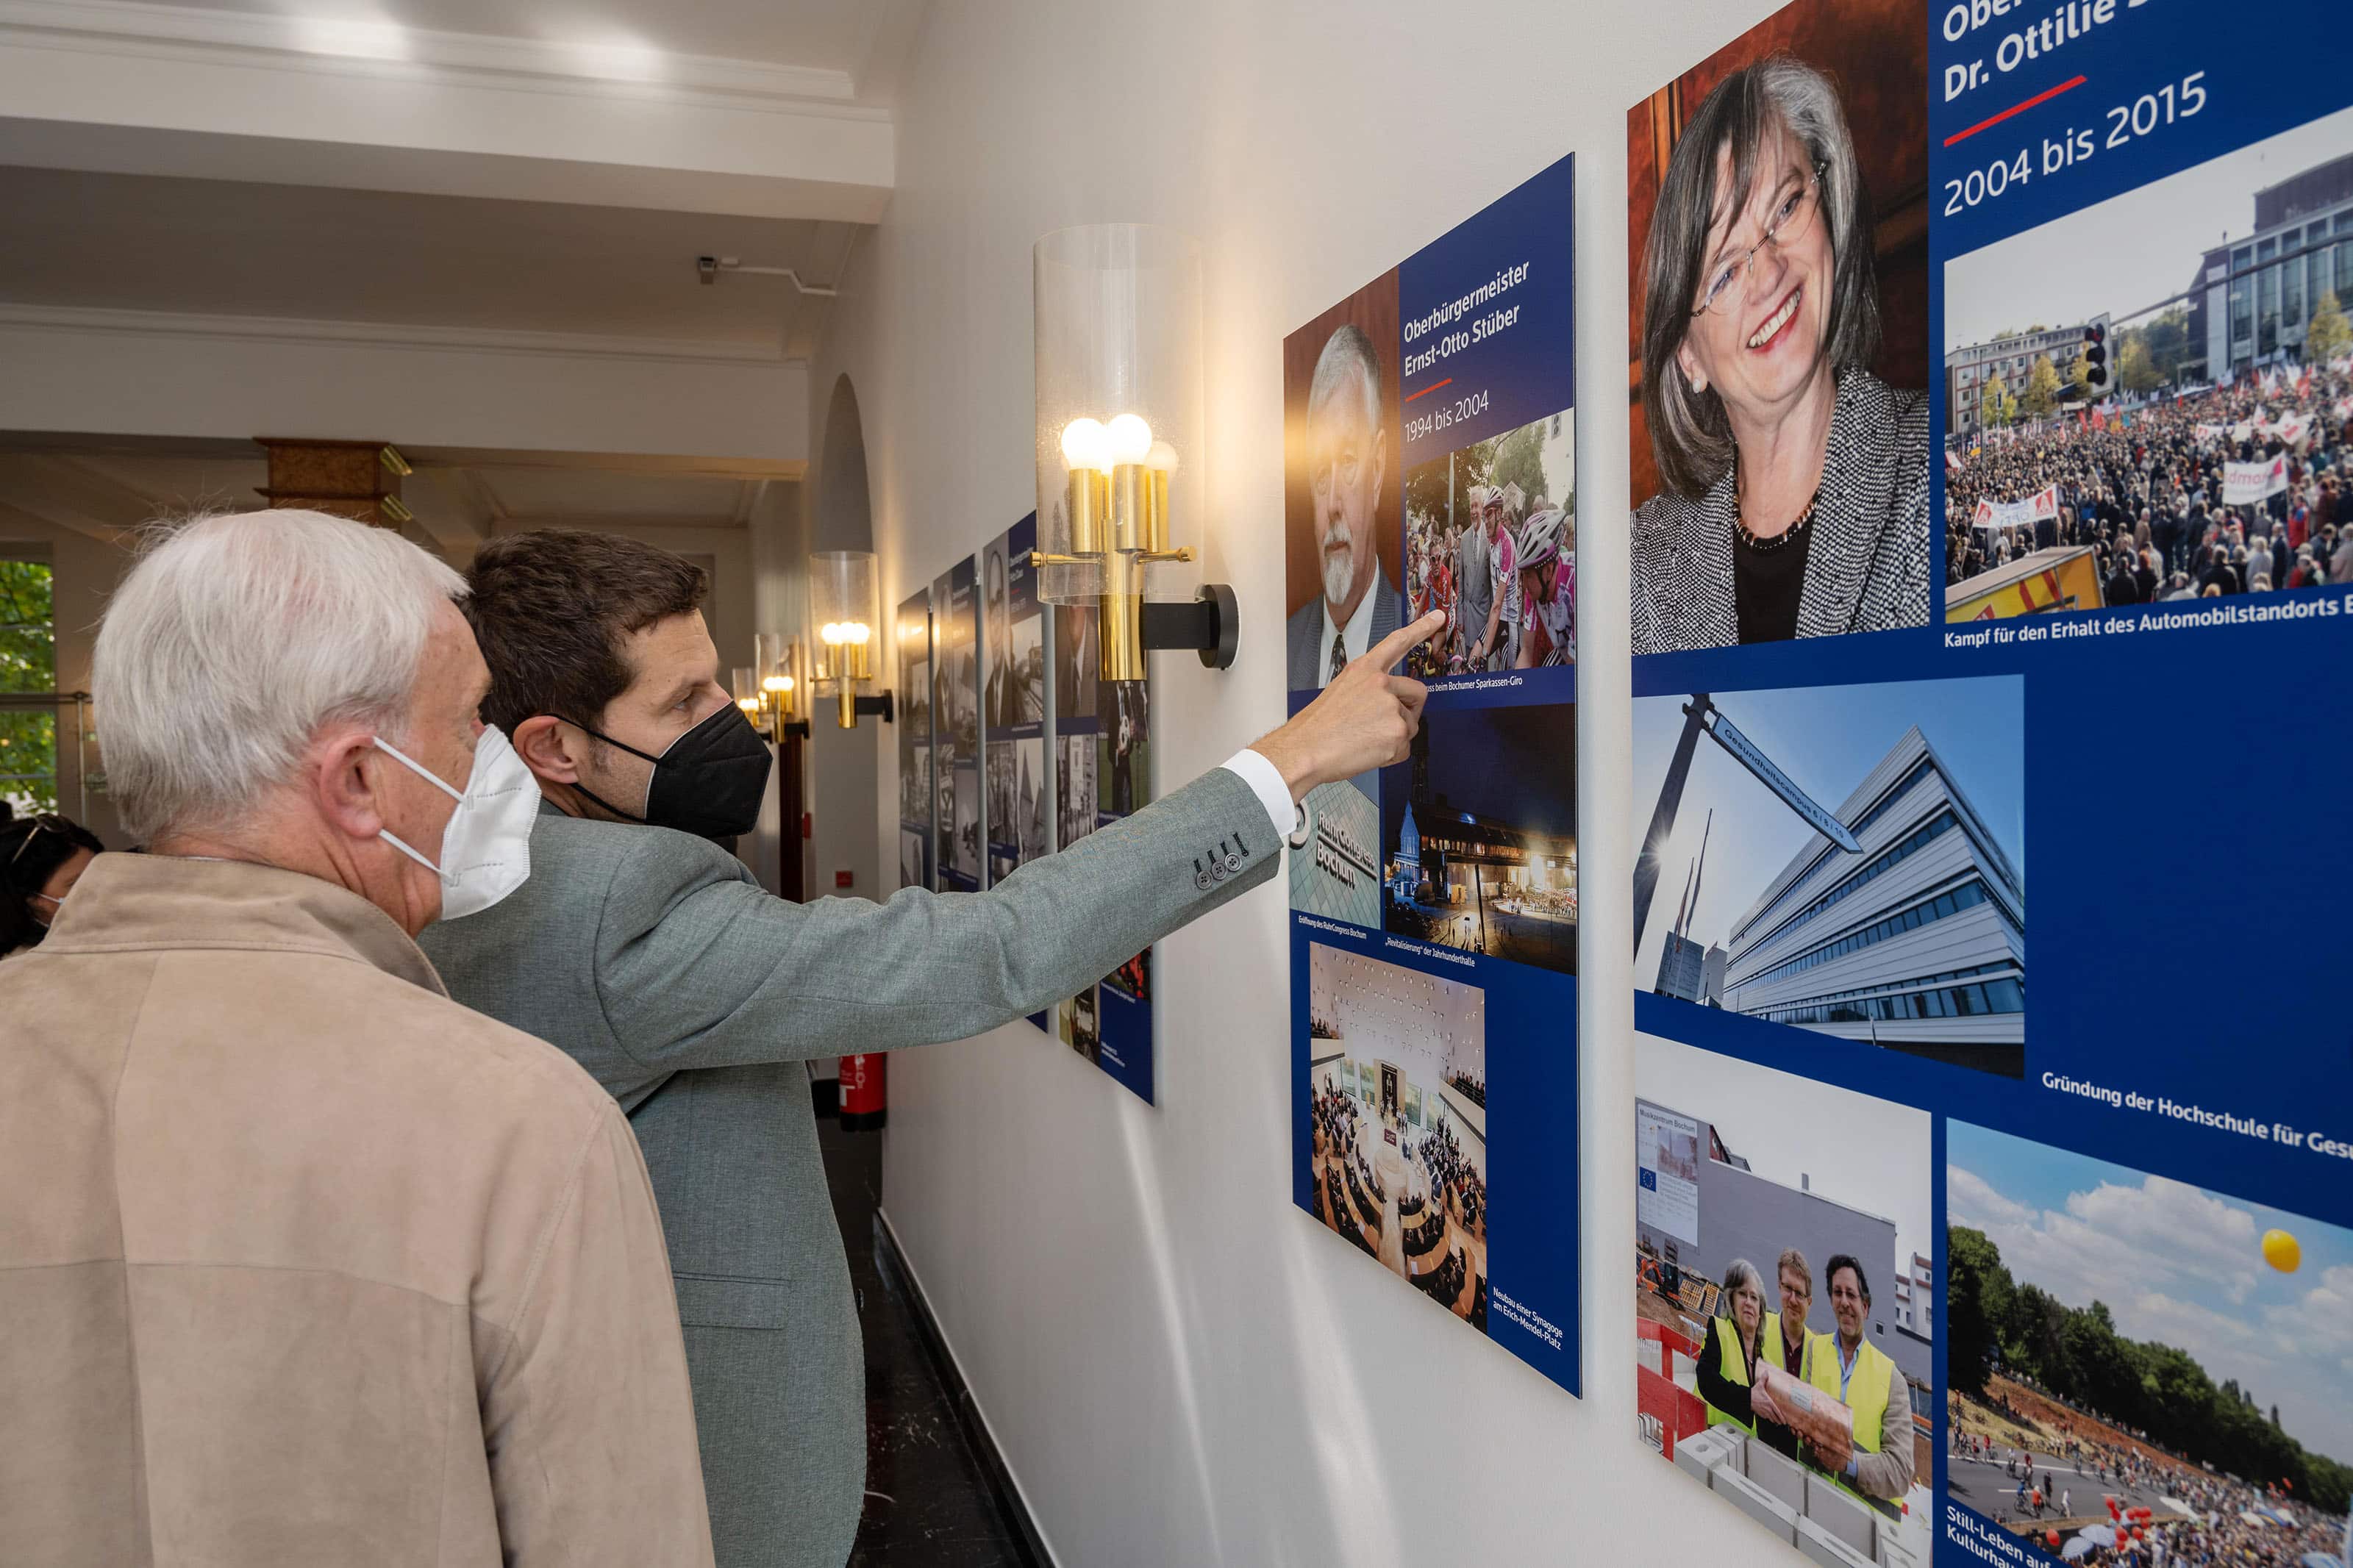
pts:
[768, 691]
[1119, 421]
[844, 610]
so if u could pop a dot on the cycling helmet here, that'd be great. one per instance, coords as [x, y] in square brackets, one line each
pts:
[1541, 537]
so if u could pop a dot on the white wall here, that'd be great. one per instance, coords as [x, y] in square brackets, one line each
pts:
[1179, 1366]
[137, 373]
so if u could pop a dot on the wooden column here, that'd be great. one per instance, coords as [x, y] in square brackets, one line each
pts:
[358, 479]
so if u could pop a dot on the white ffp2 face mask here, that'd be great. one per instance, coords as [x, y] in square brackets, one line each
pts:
[486, 848]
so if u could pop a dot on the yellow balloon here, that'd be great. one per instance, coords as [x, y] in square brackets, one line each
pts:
[2281, 1251]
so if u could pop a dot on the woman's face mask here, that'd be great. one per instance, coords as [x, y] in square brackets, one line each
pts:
[44, 906]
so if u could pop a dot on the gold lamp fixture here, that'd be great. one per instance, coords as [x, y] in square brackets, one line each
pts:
[1119, 441]
[768, 691]
[845, 612]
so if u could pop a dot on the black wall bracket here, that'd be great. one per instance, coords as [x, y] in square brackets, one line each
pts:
[882, 706]
[1211, 626]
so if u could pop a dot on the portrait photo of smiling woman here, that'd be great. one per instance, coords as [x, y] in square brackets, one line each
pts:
[1786, 491]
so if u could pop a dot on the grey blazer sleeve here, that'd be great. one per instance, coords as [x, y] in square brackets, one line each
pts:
[698, 967]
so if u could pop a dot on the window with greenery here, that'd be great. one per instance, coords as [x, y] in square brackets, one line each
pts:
[28, 663]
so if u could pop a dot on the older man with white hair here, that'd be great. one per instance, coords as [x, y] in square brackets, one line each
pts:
[1347, 452]
[300, 1262]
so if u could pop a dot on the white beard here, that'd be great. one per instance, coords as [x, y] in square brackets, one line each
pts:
[1339, 576]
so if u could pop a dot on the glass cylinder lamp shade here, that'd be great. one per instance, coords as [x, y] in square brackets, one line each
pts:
[1120, 417]
[847, 617]
[777, 659]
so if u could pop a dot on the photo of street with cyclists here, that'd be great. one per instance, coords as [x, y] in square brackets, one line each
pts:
[1490, 540]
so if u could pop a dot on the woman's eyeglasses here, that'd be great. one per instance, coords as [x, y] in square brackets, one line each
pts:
[1792, 220]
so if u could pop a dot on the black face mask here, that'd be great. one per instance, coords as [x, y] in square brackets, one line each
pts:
[709, 783]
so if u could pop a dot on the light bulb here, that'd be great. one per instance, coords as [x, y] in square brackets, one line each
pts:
[1162, 458]
[1131, 438]
[1086, 445]
[830, 633]
[777, 683]
[857, 632]
[749, 704]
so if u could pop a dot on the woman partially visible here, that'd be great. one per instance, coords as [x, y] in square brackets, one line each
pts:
[1727, 1363]
[1797, 482]
[41, 858]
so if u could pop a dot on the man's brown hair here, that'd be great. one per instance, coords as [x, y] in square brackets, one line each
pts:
[550, 608]
[1794, 1261]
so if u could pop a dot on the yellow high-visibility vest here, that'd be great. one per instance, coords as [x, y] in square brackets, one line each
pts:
[1818, 1365]
[1866, 1395]
[1866, 1392]
[1723, 1343]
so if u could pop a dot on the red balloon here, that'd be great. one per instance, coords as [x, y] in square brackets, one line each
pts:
[2051, 1536]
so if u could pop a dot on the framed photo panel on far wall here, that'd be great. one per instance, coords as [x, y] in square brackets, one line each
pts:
[1431, 465]
[1992, 480]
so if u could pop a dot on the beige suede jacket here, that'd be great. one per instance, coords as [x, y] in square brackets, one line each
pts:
[303, 1263]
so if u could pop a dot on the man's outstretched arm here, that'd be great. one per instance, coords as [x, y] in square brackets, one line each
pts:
[697, 967]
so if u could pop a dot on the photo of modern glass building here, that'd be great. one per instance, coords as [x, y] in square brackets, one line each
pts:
[1802, 870]
[1339, 875]
[1918, 940]
[2253, 297]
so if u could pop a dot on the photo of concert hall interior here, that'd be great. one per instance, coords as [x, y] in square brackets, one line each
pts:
[1479, 834]
[1398, 1076]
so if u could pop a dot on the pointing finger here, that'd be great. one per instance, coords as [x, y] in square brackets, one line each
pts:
[1393, 647]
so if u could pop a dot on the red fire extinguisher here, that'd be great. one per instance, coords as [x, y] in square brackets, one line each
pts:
[865, 1107]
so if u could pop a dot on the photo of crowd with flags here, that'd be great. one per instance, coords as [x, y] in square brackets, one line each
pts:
[2186, 438]
[2212, 491]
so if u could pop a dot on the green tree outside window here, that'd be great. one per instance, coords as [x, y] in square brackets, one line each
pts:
[28, 663]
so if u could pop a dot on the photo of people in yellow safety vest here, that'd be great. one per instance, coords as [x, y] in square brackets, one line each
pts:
[1824, 1400]
[1786, 1317]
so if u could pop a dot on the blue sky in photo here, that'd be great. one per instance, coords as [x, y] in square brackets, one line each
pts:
[1826, 738]
[2078, 270]
[2180, 1265]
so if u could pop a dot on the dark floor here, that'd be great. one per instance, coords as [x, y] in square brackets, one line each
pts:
[929, 1498]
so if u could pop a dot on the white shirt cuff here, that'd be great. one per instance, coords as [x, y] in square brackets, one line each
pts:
[1266, 781]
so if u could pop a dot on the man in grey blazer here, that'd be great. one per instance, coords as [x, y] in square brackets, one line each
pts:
[693, 996]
